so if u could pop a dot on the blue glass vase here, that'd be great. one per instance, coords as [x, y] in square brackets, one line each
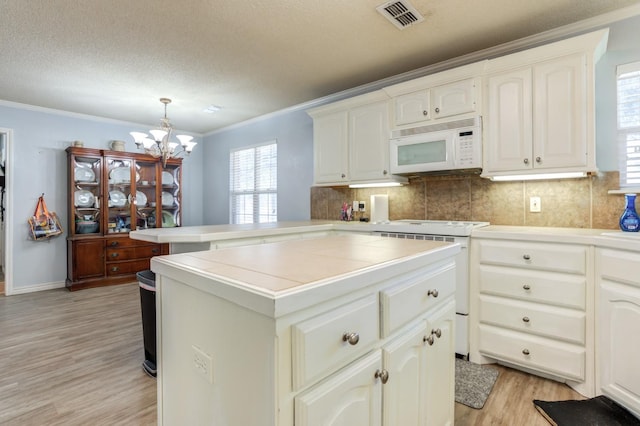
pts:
[629, 221]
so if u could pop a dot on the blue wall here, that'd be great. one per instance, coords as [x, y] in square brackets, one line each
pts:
[39, 165]
[294, 135]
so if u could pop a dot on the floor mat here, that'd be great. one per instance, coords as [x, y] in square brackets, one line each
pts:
[598, 411]
[473, 383]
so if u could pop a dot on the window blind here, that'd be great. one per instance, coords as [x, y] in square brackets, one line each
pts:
[253, 184]
[628, 94]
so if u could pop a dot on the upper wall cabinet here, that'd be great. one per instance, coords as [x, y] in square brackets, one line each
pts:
[539, 109]
[351, 141]
[446, 94]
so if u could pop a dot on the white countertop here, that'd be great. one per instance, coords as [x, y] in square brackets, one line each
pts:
[598, 237]
[205, 233]
[284, 276]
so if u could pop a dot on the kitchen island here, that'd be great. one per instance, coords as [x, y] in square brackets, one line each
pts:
[307, 331]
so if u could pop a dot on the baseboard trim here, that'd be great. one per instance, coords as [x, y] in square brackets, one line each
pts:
[37, 287]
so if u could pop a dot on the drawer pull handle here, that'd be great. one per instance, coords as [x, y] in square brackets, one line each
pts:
[352, 338]
[526, 287]
[525, 319]
[433, 293]
[383, 375]
[155, 250]
[114, 243]
[115, 269]
[526, 257]
[115, 254]
[525, 351]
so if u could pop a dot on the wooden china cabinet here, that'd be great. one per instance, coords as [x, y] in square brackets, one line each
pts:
[110, 194]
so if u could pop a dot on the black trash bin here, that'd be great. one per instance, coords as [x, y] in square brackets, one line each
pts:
[147, 281]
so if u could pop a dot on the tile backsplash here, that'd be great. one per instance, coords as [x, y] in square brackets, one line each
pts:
[573, 203]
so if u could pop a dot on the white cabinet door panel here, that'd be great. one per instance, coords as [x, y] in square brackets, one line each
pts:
[351, 397]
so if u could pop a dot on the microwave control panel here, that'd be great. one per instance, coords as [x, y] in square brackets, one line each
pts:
[467, 150]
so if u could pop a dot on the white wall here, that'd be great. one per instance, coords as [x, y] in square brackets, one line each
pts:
[39, 166]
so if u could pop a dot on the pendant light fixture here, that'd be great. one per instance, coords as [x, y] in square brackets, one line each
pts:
[160, 145]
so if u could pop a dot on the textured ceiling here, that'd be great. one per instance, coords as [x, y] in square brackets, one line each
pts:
[115, 58]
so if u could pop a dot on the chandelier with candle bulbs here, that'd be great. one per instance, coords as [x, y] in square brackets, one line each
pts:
[160, 145]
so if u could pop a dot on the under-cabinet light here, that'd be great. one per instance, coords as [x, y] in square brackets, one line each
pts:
[375, 185]
[564, 175]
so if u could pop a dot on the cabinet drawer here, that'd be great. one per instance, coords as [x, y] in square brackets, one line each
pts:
[546, 355]
[409, 299]
[127, 268]
[131, 253]
[127, 242]
[319, 344]
[536, 286]
[618, 265]
[534, 318]
[543, 256]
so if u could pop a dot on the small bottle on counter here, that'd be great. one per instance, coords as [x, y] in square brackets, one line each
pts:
[629, 221]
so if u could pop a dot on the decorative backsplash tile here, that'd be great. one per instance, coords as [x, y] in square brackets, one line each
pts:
[573, 203]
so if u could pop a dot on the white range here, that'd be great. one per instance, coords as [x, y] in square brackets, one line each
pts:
[450, 231]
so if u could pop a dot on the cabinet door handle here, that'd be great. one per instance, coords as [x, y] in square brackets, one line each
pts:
[437, 332]
[352, 338]
[538, 160]
[525, 319]
[526, 257]
[383, 375]
[525, 352]
[433, 293]
[343, 176]
[155, 250]
[526, 161]
[428, 339]
[115, 254]
[425, 112]
[437, 110]
[384, 172]
[526, 287]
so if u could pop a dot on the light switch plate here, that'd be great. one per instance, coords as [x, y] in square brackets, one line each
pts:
[534, 205]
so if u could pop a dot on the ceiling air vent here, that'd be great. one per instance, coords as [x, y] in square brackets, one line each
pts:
[401, 13]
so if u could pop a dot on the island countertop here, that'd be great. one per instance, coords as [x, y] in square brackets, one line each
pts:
[281, 277]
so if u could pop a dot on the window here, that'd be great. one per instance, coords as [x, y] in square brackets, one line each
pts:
[254, 183]
[628, 78]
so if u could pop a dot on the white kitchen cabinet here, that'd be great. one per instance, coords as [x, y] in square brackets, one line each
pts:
[540, 107]
[330, 148]
[532, 308]
[440, 383]
[351, 141]
[424, 100]
[369, 142]
[618, 319]
[351, 397]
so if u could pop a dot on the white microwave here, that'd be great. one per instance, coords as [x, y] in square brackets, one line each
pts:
[450, 146]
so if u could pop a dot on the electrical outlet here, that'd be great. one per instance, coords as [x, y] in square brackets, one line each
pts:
[202, 363]
[534, 205]
[354, 206]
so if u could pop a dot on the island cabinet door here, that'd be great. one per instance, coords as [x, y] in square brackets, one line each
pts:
[404, 393]
[352, 396]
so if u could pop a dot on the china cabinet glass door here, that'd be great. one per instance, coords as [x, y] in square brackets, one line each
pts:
[170, 196]
[120, 190]
[86, 170]
[146, 194]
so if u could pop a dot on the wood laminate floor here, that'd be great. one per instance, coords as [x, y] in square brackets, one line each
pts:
[74, 358]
